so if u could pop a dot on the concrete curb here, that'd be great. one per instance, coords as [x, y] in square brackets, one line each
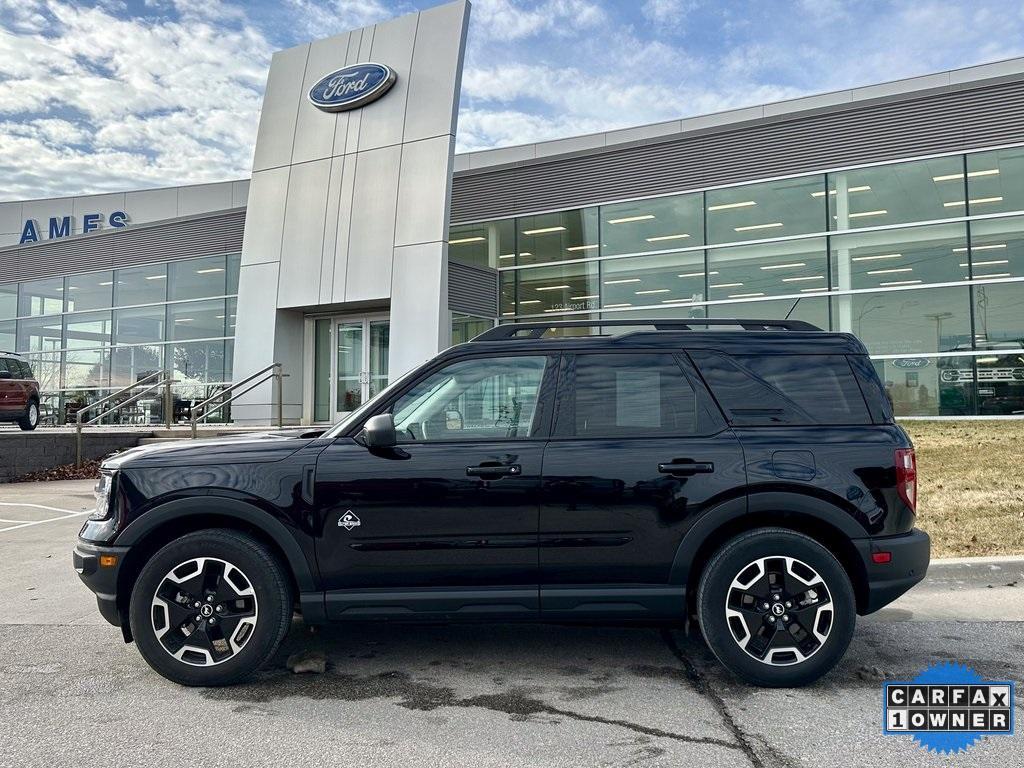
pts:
[993, 559]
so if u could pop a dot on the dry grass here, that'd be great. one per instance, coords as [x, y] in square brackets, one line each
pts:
[971, 485]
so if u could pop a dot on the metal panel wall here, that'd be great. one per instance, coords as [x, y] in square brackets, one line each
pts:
[473, 290]
[179, 239]
[365, 196]
[947, 121]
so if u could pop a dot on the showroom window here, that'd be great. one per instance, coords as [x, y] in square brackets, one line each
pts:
[92, 290]
[79, 348]
[88, 329]
[768, 269]
[907, 321]
[140, 285]
[658, 224]
[995, 181]
[196, 278]
[8, 301]
[41, 297]
[558, 288]
[672, 279]
[557, 236]
[772, 209]
[892, 258]
[195, 320]
[923, 190]
[809, 309]
[490, 244]
[997, 249]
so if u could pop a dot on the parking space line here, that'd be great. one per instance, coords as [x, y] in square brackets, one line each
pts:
[37, 506]
[48, 520]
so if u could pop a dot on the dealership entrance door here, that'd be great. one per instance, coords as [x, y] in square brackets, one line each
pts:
[350, 363]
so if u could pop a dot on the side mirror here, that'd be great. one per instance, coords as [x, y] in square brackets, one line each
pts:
[6, 375]
[379, 431]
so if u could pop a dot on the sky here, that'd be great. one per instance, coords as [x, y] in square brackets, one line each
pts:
[111, 95]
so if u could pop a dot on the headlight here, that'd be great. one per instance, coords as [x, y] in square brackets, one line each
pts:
[103, 491]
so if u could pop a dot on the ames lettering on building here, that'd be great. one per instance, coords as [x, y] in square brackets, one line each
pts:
[61, 226]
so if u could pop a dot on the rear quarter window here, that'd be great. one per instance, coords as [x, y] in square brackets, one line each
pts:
[759, 390]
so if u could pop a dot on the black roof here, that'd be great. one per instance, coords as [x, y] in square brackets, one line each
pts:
[727, 335]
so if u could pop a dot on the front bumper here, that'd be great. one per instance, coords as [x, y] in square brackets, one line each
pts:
[100, 578]
[909, 554]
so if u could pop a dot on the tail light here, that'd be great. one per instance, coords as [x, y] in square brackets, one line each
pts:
[906, 477]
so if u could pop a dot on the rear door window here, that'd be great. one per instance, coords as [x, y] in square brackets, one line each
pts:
[625, 395]
[756, 390]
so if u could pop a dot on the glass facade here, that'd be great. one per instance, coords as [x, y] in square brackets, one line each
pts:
[923, 260]
[88, 334]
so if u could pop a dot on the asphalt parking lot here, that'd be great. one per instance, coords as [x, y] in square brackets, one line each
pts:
[506, 695]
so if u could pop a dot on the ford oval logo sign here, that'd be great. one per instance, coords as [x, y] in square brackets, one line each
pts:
[910, 362]
[352, 87]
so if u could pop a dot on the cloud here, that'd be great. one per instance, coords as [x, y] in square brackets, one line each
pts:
[100, 100]
[110, 95]
[669, 13]
[509, 20]
[323, 19]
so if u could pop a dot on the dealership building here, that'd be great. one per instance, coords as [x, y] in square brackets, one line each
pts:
[362, 244]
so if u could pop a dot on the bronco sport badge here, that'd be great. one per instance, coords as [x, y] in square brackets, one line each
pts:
[348, 521]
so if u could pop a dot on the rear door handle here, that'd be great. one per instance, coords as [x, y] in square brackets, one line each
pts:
[686, 467]
[494, 470]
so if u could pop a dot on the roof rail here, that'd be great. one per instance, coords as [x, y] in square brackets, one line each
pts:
[537, 330]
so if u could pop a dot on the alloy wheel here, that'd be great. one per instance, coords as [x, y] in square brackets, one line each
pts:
[204, 611]
[779, 610]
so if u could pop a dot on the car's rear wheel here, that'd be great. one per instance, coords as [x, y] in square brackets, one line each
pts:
[776, 607]
[210, 608]
[30, 420]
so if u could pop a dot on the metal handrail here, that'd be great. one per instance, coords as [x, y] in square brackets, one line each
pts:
[164, 381]
[272, 371]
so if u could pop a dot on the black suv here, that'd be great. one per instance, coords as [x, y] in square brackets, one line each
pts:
[745, 472]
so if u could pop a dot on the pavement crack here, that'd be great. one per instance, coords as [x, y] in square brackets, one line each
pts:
[518, 703]
[701, 685]
[520, 706]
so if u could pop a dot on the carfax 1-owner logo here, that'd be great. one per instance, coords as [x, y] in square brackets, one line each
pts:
[948, 708]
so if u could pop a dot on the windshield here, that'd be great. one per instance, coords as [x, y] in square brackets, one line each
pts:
[359, 413]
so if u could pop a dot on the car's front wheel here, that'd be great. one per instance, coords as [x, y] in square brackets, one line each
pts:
[210, 608]
[776, 607]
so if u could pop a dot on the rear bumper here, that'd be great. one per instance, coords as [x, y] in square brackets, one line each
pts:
[910, 554]
[100, 578]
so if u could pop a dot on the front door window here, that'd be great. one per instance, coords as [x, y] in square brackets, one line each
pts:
[493, 399]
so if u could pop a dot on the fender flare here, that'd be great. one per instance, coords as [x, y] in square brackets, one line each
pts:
[803, 505]
[250, 514]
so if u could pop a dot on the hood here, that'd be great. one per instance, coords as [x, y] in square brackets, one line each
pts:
[250, 447]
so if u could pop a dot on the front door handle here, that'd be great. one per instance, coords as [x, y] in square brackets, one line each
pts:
[494, 470]
[686, 467]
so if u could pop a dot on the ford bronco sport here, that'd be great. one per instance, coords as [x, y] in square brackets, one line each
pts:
[745, 472]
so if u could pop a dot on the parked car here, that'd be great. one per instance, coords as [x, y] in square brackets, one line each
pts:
[748, 474]
[19, 391]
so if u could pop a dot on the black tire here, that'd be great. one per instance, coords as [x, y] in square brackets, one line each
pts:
[30, 420]
[795, 656]
[271, 606]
